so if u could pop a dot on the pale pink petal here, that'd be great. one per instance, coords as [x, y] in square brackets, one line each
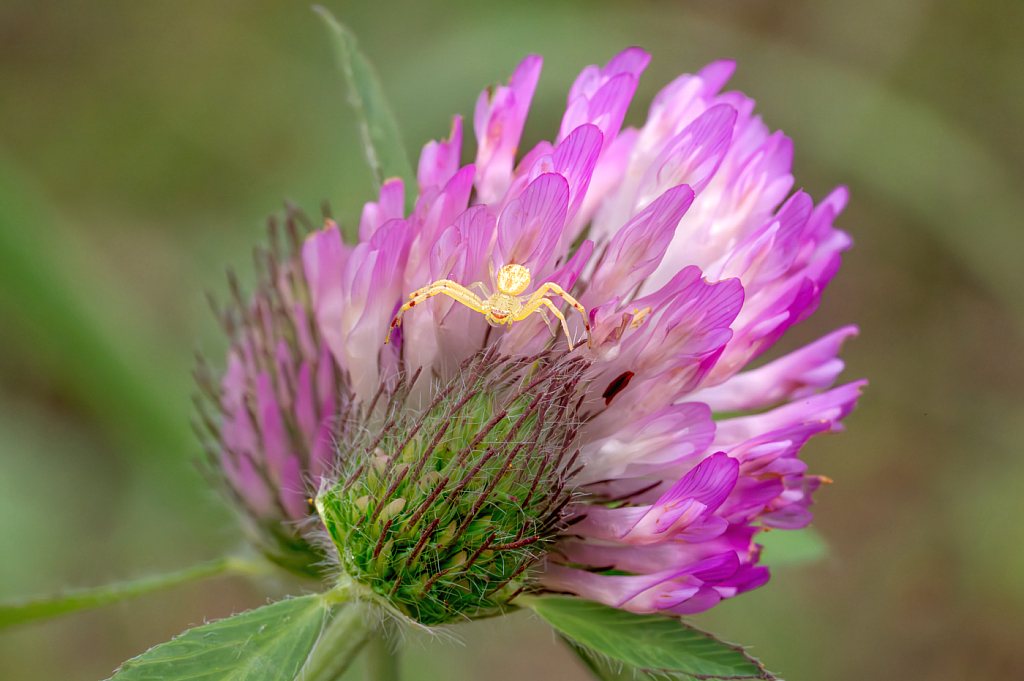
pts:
[390, 206]
[673, 434]
[440, 160]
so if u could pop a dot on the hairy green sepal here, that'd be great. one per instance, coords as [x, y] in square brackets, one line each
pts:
[442, 513]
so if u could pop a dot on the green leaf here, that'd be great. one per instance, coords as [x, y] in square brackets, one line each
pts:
[268, 643]
[651, 643]
[603, 669]
[792, 547]
[378, 128]
[26, 610]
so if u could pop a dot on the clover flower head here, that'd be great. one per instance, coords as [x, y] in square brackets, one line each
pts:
[474, 455]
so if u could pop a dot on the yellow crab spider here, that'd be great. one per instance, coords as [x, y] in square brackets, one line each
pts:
[505, 306]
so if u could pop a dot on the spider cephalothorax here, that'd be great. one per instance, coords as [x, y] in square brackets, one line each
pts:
[505, 306]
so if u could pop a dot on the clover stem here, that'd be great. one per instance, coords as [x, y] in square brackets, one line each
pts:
[381, 660]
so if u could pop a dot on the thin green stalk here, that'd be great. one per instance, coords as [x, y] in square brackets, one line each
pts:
[28, 609]
[341, 641]
[381, 660]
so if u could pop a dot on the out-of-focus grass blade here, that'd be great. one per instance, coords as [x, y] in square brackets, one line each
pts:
[382, 141]
[43, 304]
[26, 610]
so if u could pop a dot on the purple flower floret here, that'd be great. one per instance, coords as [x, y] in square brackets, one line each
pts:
[691, 255]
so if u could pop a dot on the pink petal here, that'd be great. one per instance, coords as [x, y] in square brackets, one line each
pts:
[673, 434]
[529, 227]
[324, 259]
[798, 374]
[830, 406]
[273, 435]
[637, 249]
[574, 159]
[498, 122]
[293, 490]
[305, 403]
[692, 157]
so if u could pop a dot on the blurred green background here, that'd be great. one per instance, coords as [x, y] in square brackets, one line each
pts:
[142, 144]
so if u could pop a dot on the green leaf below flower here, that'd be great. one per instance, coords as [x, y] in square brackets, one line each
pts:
[662, 646]
[604, 669]
[272, 642]
[378, 128]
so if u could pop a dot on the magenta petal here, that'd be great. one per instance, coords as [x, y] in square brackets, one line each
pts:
[670, 593]
[697, 495]
[305, 403]
[766, 452]
[675, 554]
[691, 322]
[248, 483]
[751, 496]
[631, 60]
[373, 283]
[769, 252]
[715, 75]
[322, 448]
[709, 483]
[716, 568]
[706, 597]
[616, 590]
[602, 95]
[238, 431]
[325, 381]
[793, 517]
[830, 406]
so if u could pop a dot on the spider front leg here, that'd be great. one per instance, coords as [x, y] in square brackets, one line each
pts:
[552, 287]
[450, 288]
[543, 312]
[535, 306]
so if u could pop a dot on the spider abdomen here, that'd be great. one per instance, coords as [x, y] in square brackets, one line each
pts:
[513, 279]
